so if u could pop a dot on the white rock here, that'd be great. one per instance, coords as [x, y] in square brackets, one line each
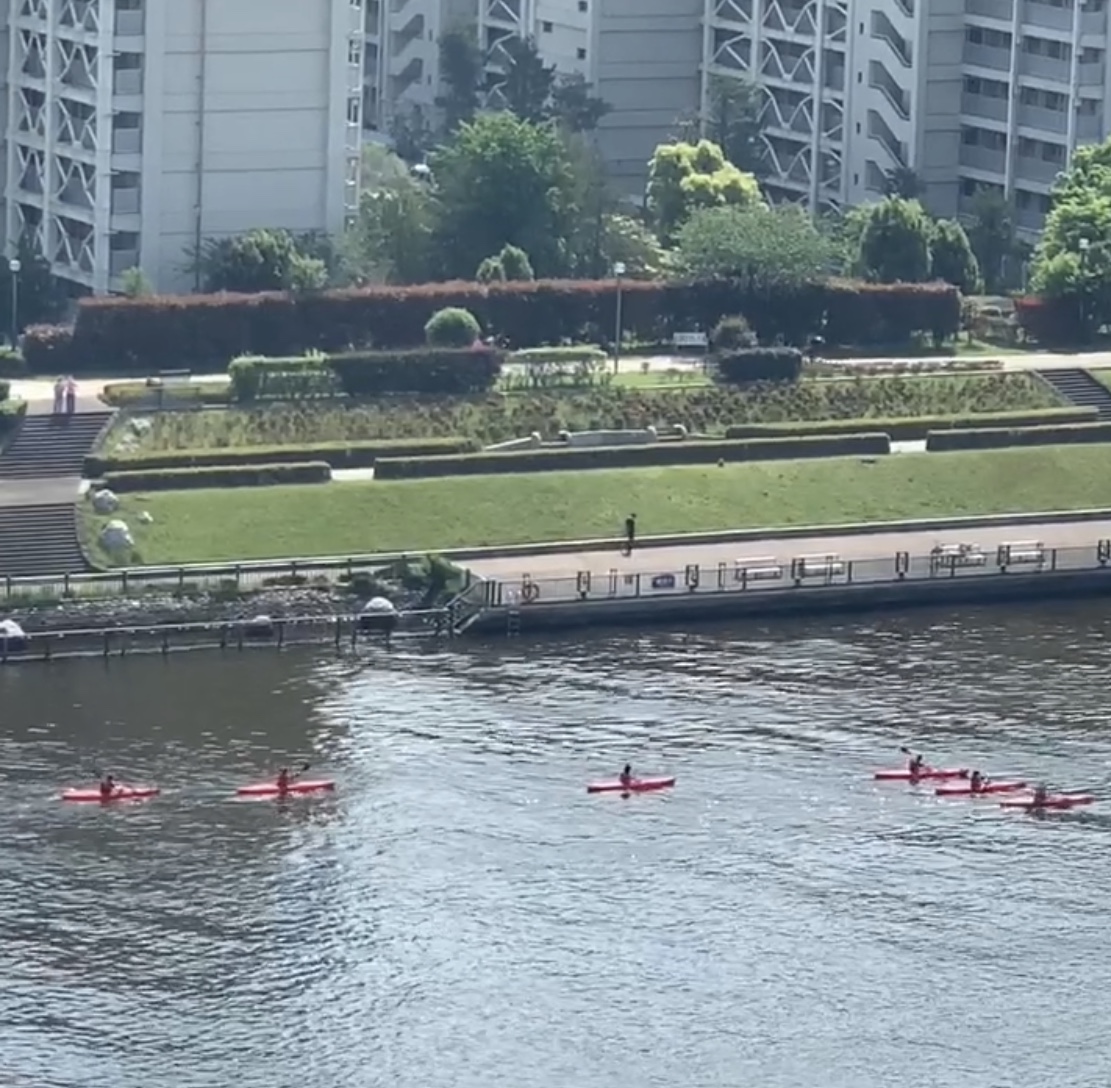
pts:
[116, 537]
[11, 631]
[145, 518]
[378, 606]
[140, 426]
[105, 501]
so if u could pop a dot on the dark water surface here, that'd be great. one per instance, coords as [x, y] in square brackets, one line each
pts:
[462, 914]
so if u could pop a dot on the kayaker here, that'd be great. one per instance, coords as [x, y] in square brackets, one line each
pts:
[626, 776]
[107, 786]
[977, 782]
[916, 765]
[283, 780]
[1041, 795]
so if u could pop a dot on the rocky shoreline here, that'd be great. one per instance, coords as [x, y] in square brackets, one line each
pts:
[157, 609]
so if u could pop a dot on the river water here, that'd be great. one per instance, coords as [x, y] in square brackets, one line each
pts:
[460, 913]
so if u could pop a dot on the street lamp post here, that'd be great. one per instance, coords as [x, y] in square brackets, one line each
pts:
[15, 267]
[618, 272]
[1084, 245]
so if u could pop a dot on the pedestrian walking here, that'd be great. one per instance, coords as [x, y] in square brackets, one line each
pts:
[630, 533]
[59, 395]
[71, 396]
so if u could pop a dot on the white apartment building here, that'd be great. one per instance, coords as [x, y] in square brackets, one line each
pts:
[967, 93]
[138, 129]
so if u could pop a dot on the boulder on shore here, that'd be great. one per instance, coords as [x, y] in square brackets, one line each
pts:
[116, 538]
[105, 501]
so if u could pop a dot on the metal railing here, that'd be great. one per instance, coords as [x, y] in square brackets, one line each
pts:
[776, 574]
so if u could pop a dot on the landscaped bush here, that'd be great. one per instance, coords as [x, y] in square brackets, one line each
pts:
[435, 371]
[701, 409]
[5, 389]
[137, 394]
[747, 365]
[732, 334]
[658, 453]
[1050, 321]
[206, 331]
[11, 414]
[451, 327]
[914, 429]
[12, 364]
[181, 479]
[565, 368]
[334, 454]
[994, 438]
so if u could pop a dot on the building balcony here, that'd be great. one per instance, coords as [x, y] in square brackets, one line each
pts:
[984, 106]
[122, 260]
[1046, 16]
[128, 81]
[129, 24]
[993, 58]
[126, 201]
[127, 141]
[1037, 170]
[989, 160]
[1000, 10]
[1042, 119]
[1090, 128]
[1051, 69]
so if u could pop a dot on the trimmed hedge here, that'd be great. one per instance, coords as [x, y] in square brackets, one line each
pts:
[995, 438]
[438, 371]
[1052, 322]
[914, 428]
[11, 415]
[216, 476]
[333, 454]
[5, 389]
[759, 365]
[207, 331]
[139, 393]
[12, 364]
[658, 453]
[582, 353]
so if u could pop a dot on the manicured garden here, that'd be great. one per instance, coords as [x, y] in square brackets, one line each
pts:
[440, 514]
[705, 410]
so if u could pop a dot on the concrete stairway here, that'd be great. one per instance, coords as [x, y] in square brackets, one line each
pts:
[39, 541]
[51, 447]
[1080, 388]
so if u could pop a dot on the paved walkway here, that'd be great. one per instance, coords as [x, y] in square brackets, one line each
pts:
[878, 545]
[35, 390]
[48, 491]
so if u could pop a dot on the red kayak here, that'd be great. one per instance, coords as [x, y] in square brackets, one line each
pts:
[120, 793]
[270, 789]
[989, 787]
[920, 776]
[637, 785]
[1056, 801]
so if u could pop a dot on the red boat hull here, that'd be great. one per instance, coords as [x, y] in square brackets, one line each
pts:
[991, 787]
[1060, 801]
[638, 785]
[927, 773]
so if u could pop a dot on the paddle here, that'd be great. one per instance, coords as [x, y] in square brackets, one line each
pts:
[297, 774]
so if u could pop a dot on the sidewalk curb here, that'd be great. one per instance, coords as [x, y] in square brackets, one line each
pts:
[742, 536]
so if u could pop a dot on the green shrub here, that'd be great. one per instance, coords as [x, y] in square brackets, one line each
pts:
[12, 364]
[490, 270]
[732, 334]
[11, 415]
[658, 453]
[136, 394]
[747, 365]
[515, 263]
[912, 428]
[576, 353]
[435, 371]
[333, 454]
[5, 389]
[305, 377]
[202, 332]
[452, 327]
[219, 476]
[994, 438]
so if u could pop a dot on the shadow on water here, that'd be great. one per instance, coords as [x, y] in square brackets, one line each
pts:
[460, 913]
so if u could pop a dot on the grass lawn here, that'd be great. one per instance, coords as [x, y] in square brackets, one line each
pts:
[1102, 376]
[703, 409]
[433, 515]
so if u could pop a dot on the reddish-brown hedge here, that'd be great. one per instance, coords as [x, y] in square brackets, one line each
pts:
[1049, 321]
[204, 332]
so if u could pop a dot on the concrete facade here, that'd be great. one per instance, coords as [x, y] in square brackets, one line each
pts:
[137, 129]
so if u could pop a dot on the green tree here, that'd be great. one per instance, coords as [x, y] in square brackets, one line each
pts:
[133, 284]
[630, 242]
[761, 245]
[903, 182]
[502, 181]
[462, 71]
[573, 107]
[392, 236]
[952, 259]
[526, 83]
[682, 177]
[411, 134]
[895, 242]
[991, 233]
[40, 296]
[452, 327]
[259, 260]
[734, 122]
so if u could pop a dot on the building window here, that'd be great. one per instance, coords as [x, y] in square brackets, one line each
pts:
[581, 54]
[546, 27]
[582, 5]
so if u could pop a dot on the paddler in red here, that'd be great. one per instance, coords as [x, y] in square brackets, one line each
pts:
[107, 786]
[1041, 795]
[916, 765]
[626, 776]
[977, 782]
[283, 780]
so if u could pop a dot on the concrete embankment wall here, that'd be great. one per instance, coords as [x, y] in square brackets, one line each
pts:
[812, 600]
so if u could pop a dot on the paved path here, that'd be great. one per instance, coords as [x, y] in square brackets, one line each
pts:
[47, 491]
[879, 545]
[37, 390]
